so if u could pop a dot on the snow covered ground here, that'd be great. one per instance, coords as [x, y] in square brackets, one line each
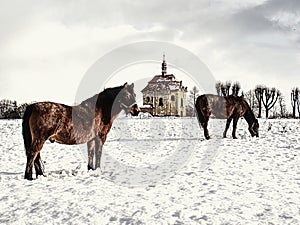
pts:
[158, 171]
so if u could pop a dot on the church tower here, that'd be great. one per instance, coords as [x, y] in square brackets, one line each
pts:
[164, 66]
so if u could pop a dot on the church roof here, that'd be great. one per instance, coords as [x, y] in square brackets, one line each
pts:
[163, 82]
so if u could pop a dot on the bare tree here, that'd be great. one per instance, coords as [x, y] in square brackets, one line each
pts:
[295, 101]
[251, 99]
[259, 96]
[218, 88]
[282, 105]
[270, 96]
[225, 88]
[236, 87]
[194, 94]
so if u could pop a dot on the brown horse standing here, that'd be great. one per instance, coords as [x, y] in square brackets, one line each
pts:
[88, 122]
[230, 108]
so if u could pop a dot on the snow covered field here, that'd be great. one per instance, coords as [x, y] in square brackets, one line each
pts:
[158, 171]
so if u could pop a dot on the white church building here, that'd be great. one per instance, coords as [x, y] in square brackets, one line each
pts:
[164, 95]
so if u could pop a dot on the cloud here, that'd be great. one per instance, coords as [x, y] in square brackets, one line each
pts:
[252, 41]
[14, 16]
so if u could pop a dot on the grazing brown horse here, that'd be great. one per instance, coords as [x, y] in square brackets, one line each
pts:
[230, 108]
[88, 122]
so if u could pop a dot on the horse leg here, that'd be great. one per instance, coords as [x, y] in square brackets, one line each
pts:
[206, 133]
[202, 120]
[95, 149]
[35, 149]
[99, 144]
[227, 127]
[98, 152]
[29, 165]
[235, 120]
[39, 168]
[91, 145]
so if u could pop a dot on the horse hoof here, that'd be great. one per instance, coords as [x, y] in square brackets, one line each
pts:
[90, 168]
[28, 178]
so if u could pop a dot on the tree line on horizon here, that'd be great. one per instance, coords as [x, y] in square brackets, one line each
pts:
[261, 99]
[11, 110]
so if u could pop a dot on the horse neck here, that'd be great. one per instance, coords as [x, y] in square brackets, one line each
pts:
[249, 116]
[107, 102]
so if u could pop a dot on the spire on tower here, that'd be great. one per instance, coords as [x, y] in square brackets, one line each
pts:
[164, 66]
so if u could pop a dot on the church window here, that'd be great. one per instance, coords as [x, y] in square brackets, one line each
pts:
[160, 102]
[147, 99]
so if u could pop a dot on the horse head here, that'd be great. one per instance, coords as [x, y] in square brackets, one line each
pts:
[253, 129]
[128, 101]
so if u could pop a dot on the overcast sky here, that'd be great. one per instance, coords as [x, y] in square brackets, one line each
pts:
[46, 47]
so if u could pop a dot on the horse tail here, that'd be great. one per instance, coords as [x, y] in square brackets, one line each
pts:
[26, 128]
[200, 116]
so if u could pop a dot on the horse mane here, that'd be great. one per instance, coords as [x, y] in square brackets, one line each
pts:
[112, 92]
[107, 93]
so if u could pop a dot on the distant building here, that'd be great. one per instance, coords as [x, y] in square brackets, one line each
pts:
[164, 95]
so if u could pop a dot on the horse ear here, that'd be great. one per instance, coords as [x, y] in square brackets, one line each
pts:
[125, 85]
[132, 85]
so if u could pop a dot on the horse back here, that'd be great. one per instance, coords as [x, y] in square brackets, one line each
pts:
[212, 106]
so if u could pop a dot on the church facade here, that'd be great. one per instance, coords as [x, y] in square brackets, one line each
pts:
[164, 95]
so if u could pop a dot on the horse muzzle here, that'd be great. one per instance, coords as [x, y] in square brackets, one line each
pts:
[135, 110]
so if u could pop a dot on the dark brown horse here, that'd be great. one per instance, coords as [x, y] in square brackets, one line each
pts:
[88, 122]
[230, 108]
